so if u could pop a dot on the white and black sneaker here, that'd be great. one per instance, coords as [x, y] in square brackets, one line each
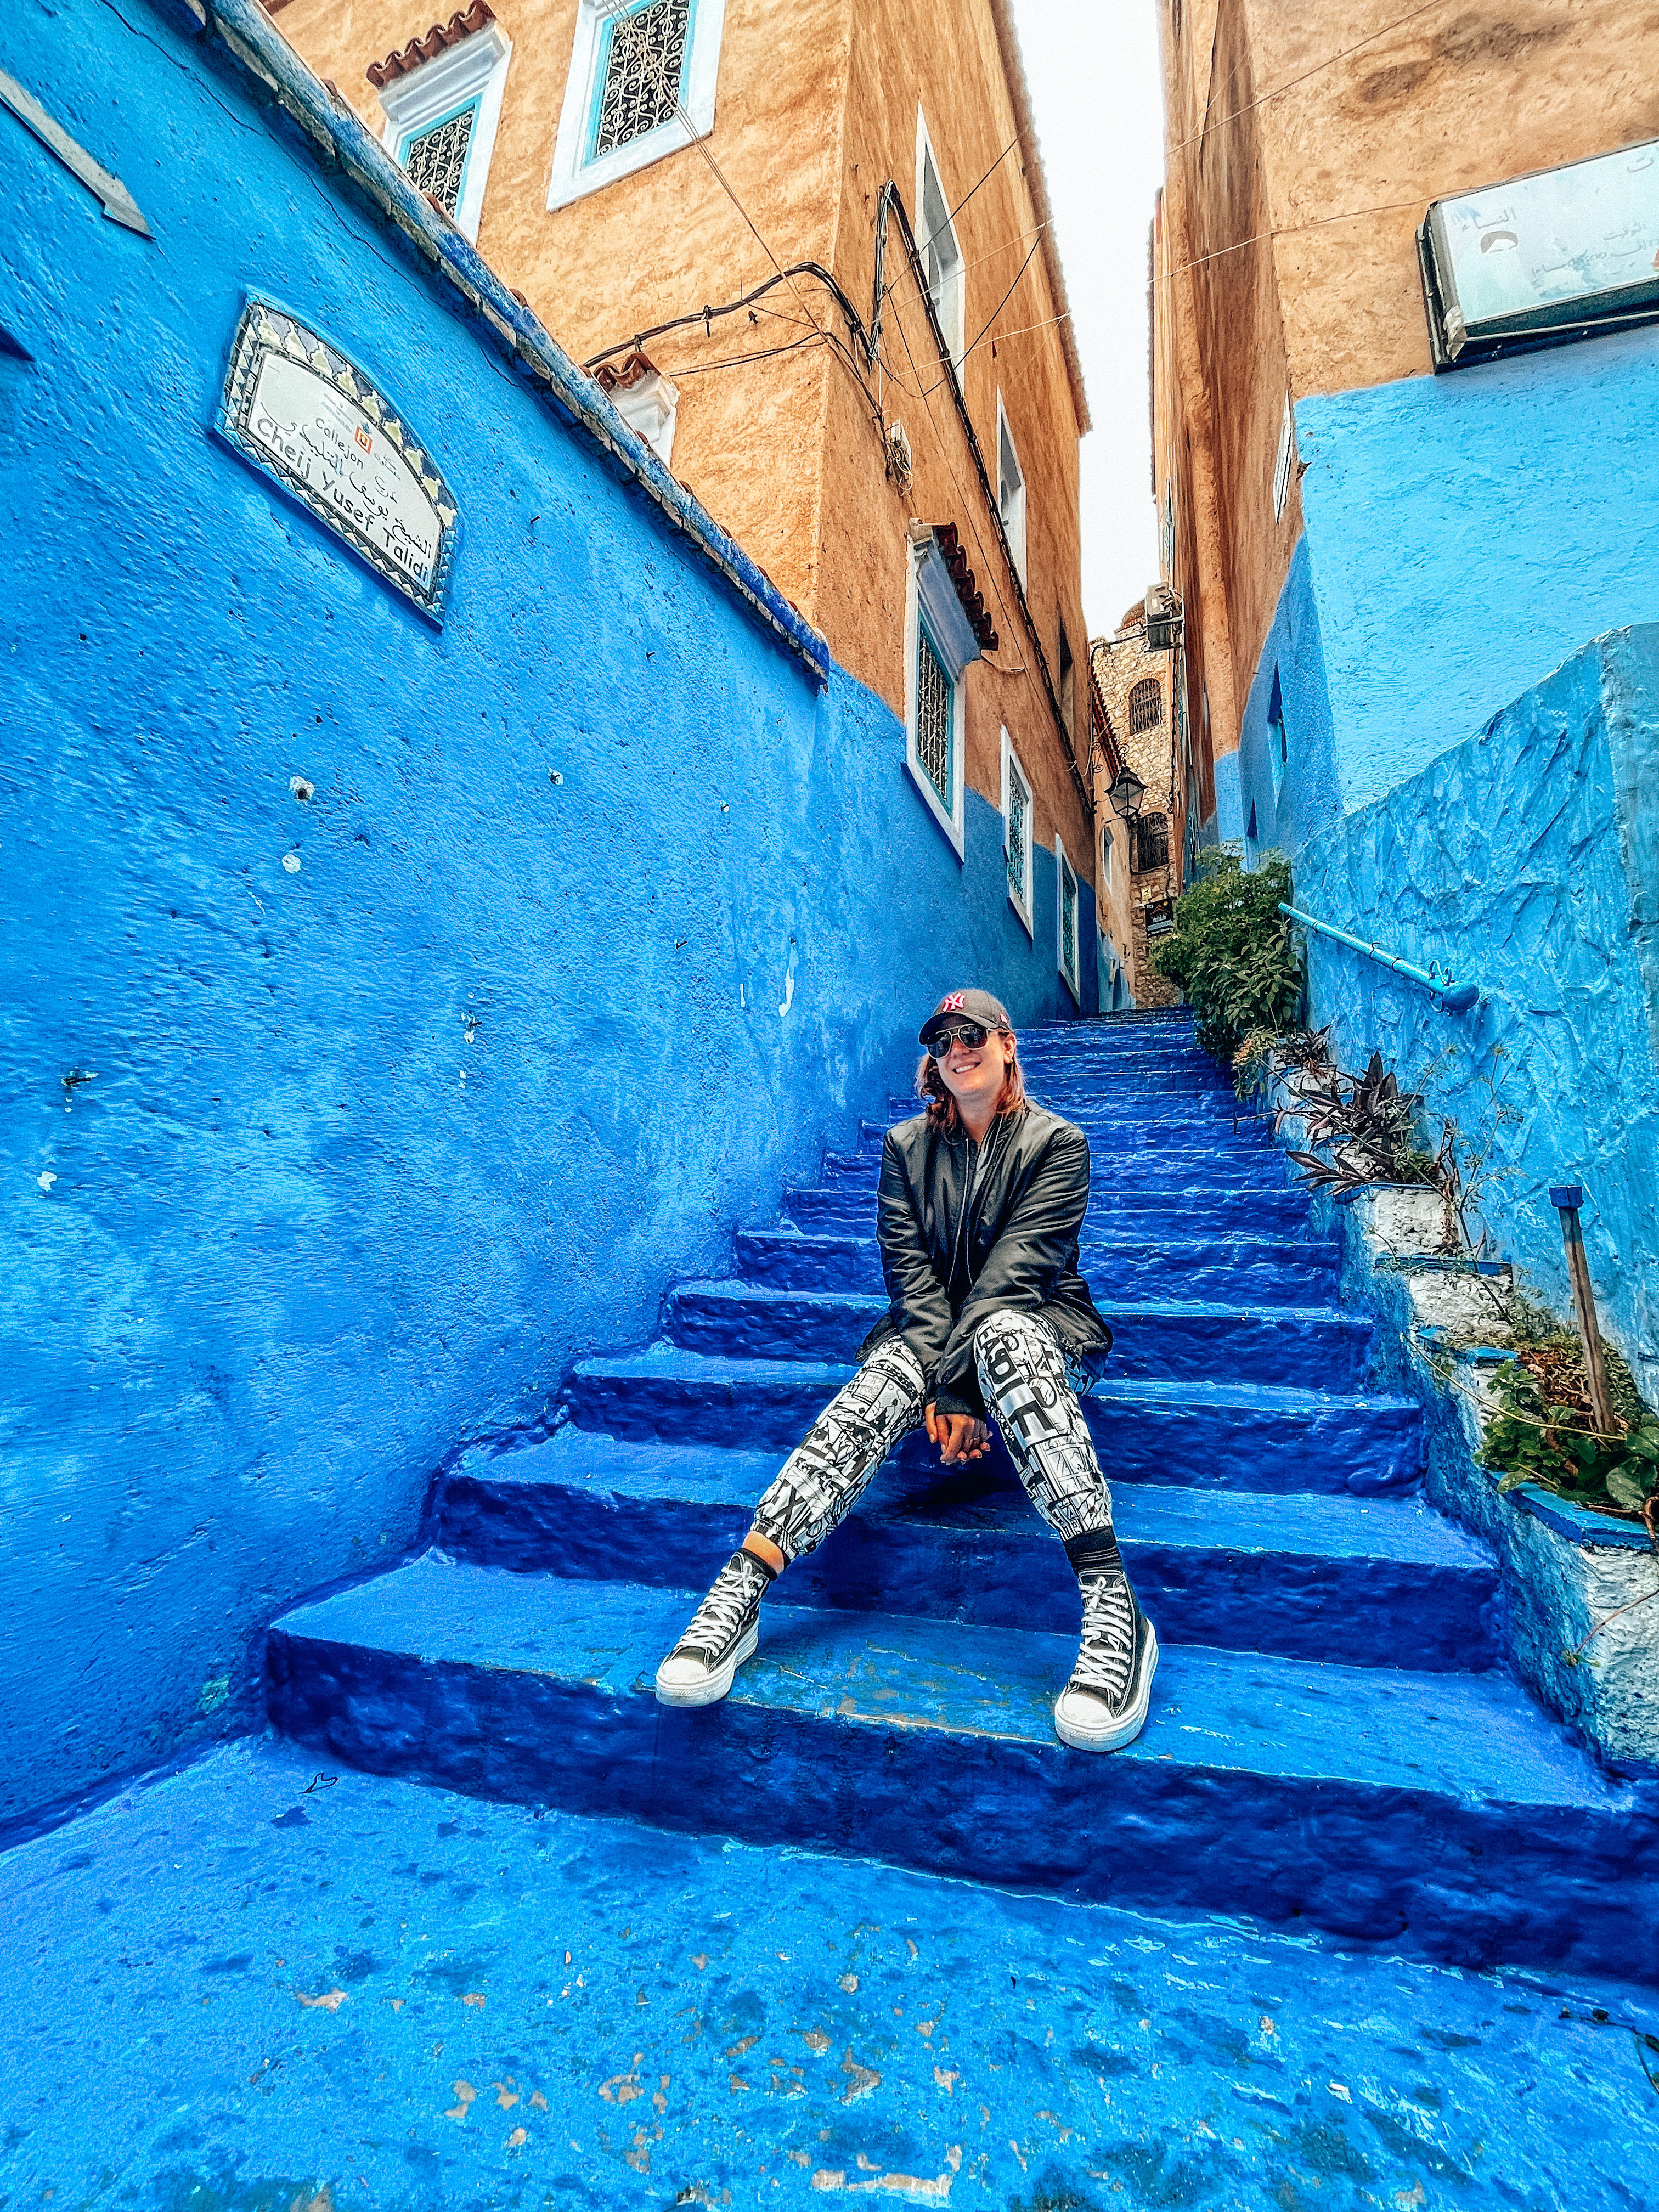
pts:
[1105, 1706]
[698, 1671]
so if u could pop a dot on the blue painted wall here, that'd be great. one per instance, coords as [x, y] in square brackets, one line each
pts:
[1469, 532]
[1307, 800]
[1528, 857]
[368, 1152]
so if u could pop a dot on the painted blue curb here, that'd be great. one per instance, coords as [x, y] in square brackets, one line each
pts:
[1577, 1523]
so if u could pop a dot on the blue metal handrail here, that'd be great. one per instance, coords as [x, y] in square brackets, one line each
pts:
[1455, 998]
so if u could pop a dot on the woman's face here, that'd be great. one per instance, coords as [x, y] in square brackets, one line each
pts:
[976, 1078]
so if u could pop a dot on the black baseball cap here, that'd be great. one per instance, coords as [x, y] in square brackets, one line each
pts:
[968, 1006]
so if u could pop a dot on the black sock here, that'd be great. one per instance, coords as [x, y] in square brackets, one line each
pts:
[1094, 1553]
[755, 1560]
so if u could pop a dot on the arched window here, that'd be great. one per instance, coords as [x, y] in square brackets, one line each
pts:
[1146, 706]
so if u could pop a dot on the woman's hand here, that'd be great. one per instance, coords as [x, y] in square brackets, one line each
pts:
[958, 1436]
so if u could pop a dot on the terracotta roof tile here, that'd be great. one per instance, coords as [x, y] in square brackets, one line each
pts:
[441, 36]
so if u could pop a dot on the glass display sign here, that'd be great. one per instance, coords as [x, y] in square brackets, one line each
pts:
[1565, 254]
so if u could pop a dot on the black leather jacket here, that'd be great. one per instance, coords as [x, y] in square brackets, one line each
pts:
[1016, 1248]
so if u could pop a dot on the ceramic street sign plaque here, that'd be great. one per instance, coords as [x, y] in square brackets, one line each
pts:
[295, 409]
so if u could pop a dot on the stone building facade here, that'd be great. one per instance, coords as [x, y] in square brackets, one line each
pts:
[818, 271]
[1135, 686]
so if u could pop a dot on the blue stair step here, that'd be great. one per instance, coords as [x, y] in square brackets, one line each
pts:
[1164, 1339]
[1233, 1434]
[1158, 1121]
[1240, 1164]
[1125, 1125]
[1368, 1802]
[1216, 1270]
[1114, 1208]
[1316, 1577]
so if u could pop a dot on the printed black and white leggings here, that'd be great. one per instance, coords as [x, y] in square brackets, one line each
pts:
[1026, 1379]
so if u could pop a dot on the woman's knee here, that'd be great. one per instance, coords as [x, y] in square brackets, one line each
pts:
[1012, 1347]
[895, 1363]
[1010, 1327]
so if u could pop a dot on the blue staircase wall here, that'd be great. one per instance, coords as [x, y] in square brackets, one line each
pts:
[1527, 857]
[607, 916]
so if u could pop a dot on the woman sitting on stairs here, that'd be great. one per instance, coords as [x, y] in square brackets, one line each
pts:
[981, 1199]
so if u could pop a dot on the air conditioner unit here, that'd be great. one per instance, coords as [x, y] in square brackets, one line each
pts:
[1164, 616]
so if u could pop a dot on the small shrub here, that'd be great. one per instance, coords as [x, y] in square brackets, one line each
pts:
[1231, 953]
[1366, 1122]
[1543, 1432]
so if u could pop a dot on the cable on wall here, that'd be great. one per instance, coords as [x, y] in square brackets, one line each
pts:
[891, 199]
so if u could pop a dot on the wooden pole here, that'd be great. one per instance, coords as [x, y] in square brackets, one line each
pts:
[1567, 1198]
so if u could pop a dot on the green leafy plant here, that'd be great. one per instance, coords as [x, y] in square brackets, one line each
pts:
[1371, 1128]
[1543, 1432]
[1231, 953]
[1266, 1054]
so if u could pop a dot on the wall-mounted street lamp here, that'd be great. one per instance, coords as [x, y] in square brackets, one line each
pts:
[1126, 791]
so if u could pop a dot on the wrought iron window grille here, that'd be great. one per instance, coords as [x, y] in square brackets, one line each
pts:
[644, 64]
[1146, 706]
[1068, 924]
[935, 704]
[1149, 843]
[436, 159]
[1018, 828]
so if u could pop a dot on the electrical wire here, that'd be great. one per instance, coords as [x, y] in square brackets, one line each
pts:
[1329, 62]
[707, 314]
[617, 14]
[679, 370]
[985, 178]
[1000, 304]
[1290, 230]
[965, 507]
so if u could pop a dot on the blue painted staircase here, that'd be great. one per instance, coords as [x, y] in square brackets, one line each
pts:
[1333, 1738]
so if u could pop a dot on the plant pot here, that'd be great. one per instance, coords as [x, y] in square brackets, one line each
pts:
[1405, 1217]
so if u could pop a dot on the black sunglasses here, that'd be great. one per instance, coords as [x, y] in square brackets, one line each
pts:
[972, 1035]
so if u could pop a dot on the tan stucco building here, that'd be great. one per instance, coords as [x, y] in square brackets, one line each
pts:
[1371, 558]
[813, 261]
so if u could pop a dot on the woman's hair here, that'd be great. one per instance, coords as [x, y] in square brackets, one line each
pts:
[942, 1108]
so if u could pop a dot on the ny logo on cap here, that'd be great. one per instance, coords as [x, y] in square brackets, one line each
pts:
[954, 1004]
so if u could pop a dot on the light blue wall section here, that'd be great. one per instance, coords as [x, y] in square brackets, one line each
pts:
[1527, 857]
[1306, 801]
[1230, 814]
[368, 1153]
[1469, 532]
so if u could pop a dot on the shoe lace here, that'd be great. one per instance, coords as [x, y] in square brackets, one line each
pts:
[721, 1613]
[1107, 1653]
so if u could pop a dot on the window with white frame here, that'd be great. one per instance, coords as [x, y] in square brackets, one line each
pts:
[1065, 910]
[941, 255]
[939, 643]
[1105, 856]
[1011, 491]
[641, 85]
[441, 118]
[1018, 833]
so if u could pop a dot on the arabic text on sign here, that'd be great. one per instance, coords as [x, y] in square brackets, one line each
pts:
[313, 432]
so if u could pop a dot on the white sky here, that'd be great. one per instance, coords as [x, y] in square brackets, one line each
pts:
[1093, 70]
